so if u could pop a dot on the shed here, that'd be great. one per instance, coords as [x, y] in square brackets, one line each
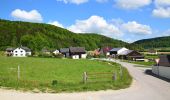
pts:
[164, 60]
[77, 52]
[65, 51]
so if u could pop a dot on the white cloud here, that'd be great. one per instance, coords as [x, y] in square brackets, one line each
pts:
[162, 3]
[101, 1]
[161, 12]
[74, 1]
[136, 28]
[95, 24]
[56, 23]
[132, 4]
[33, 15]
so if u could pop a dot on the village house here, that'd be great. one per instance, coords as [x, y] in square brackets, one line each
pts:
[131, 55]
[77, 52]
[117, 51]
[9, 51]
[152, 52]
[65, 52]
[105, 51]
[21, 52]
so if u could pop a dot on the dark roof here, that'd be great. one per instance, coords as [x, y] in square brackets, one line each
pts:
[164, 60]
[152, 51]
[9, 49]
[77, 49]
[26, 49]
[134, 53]
[115, 49]
[64, 50]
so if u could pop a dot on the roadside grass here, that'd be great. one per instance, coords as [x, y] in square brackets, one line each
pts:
[142, 63]
[58, 75]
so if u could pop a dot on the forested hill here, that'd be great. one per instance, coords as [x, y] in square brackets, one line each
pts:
[159, 42]
[37, 36]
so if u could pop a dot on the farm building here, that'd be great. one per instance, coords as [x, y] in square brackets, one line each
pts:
[21, 52]
[164, 60]
[152, 52]
[117, 51]
[131, 55]
[9, 51]
[105, 51]
[77, 52]
[65, 52]
[163, 67]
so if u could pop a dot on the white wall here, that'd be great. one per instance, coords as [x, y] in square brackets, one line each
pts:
[56, 52]
[121, 50]
[162, 71]
[18, 52]
[83, 56]
[75, 56]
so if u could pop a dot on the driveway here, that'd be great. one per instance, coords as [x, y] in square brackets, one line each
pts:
[144, 87]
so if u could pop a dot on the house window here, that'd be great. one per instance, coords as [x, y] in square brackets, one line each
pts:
[16, 54]
[21, 51]
[21, 54]
[16, 51]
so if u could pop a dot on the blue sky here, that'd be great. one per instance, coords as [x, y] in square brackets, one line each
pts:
[128, 20]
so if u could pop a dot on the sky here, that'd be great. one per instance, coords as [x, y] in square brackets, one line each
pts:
[127, 20]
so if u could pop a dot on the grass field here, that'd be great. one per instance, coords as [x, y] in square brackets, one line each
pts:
[39, 74]
[146, 64]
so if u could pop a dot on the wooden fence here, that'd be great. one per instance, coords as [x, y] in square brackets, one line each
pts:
[98, 75]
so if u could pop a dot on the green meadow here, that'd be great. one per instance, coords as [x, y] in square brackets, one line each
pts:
[59, 75]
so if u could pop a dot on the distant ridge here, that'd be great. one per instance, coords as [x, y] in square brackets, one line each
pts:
[38, 35]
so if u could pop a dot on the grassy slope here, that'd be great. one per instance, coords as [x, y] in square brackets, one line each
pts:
[39, 73]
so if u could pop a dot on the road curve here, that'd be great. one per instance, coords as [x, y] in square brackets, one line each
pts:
[144, 87]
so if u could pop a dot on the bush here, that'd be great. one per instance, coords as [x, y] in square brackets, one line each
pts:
[45, 55]
[59, 55]
[54, 82]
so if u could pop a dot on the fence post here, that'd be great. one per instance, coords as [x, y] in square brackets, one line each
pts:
[85, 77]
[121, 72]
[114, 77]
[18, 72]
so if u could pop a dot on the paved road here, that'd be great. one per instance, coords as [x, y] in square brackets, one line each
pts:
[144, 87]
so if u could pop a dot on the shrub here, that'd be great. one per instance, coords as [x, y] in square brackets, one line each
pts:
[59, 55]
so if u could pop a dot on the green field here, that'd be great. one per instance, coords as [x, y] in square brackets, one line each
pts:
[40, 74]
[146, 64]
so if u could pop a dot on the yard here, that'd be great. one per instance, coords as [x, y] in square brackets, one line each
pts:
[59, 75]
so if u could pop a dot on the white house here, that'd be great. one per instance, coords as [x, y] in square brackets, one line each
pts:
[21, 52]
[117, 51]
[56, 52]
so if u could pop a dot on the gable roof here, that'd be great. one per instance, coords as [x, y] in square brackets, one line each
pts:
[105, 49]
[164, 60]
[64, 50]
[10, 49]
[26, 49]
[126, 52]
[115, 49]
[152, 51]
[77, 49]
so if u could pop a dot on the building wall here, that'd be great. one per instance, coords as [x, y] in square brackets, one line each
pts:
[121, 50]
[19, 53]
[75, 56]
[162, 71]
[83, 56]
